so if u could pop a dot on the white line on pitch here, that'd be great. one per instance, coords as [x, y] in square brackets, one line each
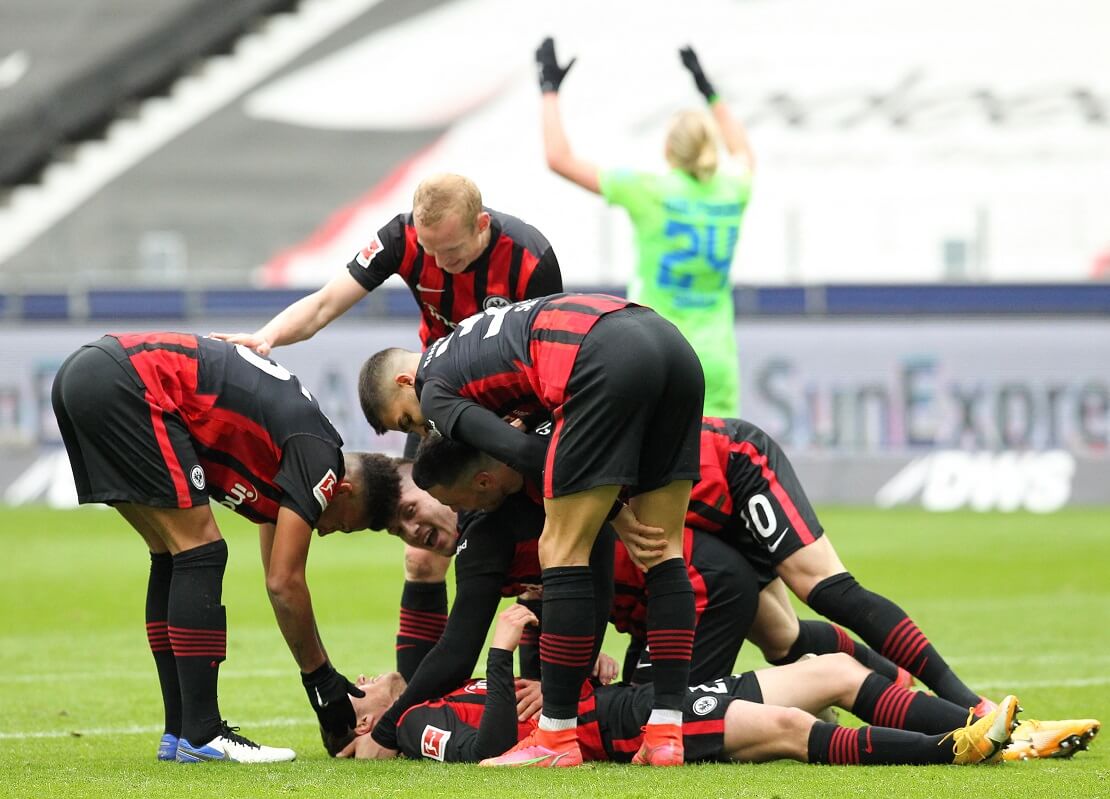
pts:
[136, 729]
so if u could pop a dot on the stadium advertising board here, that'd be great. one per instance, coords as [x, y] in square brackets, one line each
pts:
[985, 414]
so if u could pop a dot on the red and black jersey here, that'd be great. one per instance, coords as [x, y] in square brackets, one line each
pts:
[261, 438]
[518, 264]
[512, 360]
[749, 494]
[479, 720]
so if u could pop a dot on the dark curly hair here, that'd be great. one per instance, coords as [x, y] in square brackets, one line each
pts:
[382, 483]
[441, 461]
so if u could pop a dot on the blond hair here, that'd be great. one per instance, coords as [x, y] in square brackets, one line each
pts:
[439, 195]
[692, 144]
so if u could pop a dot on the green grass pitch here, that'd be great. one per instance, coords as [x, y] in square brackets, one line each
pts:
[1017, 603]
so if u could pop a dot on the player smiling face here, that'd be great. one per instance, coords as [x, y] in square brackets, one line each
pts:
[454, 241]
[423, 522]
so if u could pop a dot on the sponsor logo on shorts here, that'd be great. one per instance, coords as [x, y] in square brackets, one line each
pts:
[433, 742]
[366, 255]
[475, 687]
[324, 491]
[238, 494]
[543, 429]
[495, 301]
[704, 705]
[196, 477]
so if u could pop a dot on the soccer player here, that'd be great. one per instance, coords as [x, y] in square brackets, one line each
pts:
[456, 256]
[687, 220]
[609, 373]
[749, 494]
[465, 478]
[752, 717]
[156, 424]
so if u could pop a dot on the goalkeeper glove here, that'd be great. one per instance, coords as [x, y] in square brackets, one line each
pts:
[690, 61]
[550, 73]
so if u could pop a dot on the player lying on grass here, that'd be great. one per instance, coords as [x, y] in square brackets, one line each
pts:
[156, 425]
[752, 717]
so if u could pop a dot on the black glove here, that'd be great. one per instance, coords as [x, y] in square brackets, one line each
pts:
[551, 74]
[327, 691]
[690, 61]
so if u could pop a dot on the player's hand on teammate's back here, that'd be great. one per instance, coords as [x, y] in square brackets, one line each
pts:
[327, 692]
[690, 61]
[249, 340]
[510, 624]
[646, 545]
[550, 73]
[529, 700]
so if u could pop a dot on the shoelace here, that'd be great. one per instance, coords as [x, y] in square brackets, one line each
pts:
[232, 734]
[960, 741]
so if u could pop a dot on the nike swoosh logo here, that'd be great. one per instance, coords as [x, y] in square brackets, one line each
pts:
[432, 291]
[319, 699]
[778, 540]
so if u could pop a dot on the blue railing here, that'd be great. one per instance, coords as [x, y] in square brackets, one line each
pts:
[1084, 299]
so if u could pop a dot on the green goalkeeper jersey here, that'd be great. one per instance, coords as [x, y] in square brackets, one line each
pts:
[686, 234]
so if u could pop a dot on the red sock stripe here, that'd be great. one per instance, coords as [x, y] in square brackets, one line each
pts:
[187, 642]
[566, 650]
[904, 643]
[670, 644]
[529, 637]
[418, 624]
[158, 636]
[844, 747]
[890, 710]
[844, 642]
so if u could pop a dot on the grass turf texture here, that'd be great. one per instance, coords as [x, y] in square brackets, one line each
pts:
[1016, 603]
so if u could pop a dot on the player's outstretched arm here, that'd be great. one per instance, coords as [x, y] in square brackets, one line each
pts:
[304, 318]
[561, 159]
[284, 556]
[735, 137]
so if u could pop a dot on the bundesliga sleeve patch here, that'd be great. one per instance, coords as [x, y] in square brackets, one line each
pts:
[366, 255]
[433, 742]
[325, 489]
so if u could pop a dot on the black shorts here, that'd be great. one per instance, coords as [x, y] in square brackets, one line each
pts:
[122, 448]
[778, 517]
[726, 596]
[703, 718]
[633, 411]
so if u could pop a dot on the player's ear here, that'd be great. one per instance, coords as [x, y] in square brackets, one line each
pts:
[482, 222]
[364, 723]
[405, 379]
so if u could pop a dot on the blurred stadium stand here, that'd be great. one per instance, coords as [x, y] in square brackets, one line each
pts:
[903, 143]
[82, 63]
